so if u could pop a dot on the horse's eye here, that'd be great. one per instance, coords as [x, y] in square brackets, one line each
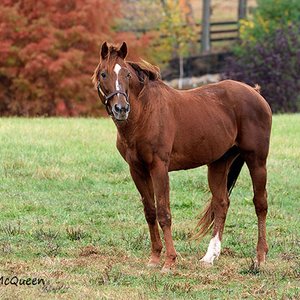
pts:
[103, 74]
[128, 75]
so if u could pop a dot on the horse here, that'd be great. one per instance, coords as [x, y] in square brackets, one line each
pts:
[162, 129]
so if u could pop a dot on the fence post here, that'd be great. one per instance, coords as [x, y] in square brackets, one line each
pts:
[242, 9]
[205, 39]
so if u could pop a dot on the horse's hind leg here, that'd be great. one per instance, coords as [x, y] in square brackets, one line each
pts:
[217, 180]
[258, 172]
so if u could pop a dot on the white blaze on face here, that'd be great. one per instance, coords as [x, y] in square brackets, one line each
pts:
[117, 69]
[213, 251]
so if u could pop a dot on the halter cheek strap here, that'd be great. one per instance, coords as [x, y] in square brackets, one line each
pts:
[100, 92]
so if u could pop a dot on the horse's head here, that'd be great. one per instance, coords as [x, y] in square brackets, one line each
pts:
[112, 81]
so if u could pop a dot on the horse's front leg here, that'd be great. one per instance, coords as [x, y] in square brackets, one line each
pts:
[160, 179]
[144, 185]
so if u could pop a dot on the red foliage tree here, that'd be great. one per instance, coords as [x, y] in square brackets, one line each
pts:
[48, 51]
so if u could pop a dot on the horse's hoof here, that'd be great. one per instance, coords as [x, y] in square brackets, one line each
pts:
[152, 264]
[258, 264]
[260, 260]
[206, 264]
[166, 270]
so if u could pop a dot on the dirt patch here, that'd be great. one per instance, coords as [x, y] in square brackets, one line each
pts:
[88, 251]
[228, 252]
[16, 268]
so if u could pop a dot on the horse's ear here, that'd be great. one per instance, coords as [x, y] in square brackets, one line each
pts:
[122, 52]
[104, 50]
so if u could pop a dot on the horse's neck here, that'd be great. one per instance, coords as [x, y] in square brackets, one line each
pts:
[141, 99]
[127, 128]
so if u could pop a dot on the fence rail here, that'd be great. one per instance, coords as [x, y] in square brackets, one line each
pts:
[224, 23]
[218, 34]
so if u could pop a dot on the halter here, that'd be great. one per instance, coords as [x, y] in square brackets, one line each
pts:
[109, 96]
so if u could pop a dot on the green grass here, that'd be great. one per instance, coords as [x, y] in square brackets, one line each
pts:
[70, 214]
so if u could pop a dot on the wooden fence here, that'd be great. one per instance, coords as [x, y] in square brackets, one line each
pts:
[229, 31]
[207, 31]
[218, 32]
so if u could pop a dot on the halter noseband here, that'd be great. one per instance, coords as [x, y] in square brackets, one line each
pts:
[109, 96]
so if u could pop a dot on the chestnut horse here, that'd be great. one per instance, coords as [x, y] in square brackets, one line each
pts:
[161, 129]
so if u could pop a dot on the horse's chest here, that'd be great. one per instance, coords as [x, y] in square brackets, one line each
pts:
[138, 154]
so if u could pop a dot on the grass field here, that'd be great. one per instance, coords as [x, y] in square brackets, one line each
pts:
[70, 215]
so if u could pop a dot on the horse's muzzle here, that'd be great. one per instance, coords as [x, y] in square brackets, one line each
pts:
[121, 112]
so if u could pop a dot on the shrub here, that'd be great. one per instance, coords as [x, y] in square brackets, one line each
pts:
[274, 64]
[269, 16]
[269, 53]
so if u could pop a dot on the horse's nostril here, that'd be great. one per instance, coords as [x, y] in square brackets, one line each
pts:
[118, 108]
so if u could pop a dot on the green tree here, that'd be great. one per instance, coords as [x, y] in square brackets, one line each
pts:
[177, 36]
[269, 16]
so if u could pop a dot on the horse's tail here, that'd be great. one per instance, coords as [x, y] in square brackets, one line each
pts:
[257, 88]
[207, 216]
[234, 172]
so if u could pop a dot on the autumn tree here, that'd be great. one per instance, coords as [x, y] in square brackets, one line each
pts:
[48, 52]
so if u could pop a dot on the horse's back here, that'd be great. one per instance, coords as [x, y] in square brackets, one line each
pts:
[246, 98]
[245, 102]
[237, 95]
[212, 119]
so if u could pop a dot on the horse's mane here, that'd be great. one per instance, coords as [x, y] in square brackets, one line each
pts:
[143, 68]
